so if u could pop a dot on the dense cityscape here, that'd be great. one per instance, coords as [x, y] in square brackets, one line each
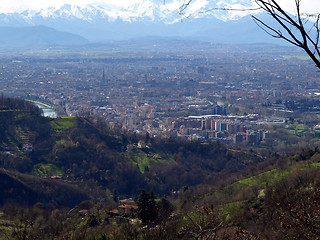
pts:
[160, 119]
[205, 92]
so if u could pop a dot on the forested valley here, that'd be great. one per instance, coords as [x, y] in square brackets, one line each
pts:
[78, 178]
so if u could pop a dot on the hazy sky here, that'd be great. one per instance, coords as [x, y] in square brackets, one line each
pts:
[309, 6]
[20, 5]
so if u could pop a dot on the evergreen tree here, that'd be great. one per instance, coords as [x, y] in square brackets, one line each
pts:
[165, 208]
[147, 210]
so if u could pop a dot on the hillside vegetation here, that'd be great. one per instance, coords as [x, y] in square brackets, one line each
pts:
[53, 168]
[80, 150]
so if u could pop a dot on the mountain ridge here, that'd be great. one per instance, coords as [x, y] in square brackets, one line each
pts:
[37, 36]
[136, 10]
[99, 23]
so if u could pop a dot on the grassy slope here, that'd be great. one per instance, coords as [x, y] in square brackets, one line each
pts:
[144, 159]
[236, 191]
[63, 123]
[79, 142]
[27, 189]
[48, 169]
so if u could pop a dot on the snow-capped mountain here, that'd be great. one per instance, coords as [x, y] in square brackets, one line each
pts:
[99, 21]
[167, 10]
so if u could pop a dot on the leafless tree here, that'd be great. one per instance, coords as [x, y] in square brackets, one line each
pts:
[300, 29]
[293, 29]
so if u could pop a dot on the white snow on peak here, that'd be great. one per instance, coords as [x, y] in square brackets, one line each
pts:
[133, 10]
[235, 9]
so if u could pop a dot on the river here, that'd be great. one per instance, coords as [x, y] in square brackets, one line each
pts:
[47, 112]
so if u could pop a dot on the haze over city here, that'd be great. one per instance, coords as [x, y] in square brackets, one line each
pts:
[144, 120]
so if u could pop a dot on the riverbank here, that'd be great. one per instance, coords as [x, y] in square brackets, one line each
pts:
[47, 110]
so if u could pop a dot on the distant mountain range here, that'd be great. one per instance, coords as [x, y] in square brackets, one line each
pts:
[76, 24]
[37, 36]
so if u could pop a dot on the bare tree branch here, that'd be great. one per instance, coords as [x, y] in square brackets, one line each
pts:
[277, 34]
[184, 6]
[294, 28]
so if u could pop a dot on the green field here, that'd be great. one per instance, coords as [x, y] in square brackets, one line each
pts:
[297, 57]
[262, 179]
[63, 123]
[143, 160]
[47, 170]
